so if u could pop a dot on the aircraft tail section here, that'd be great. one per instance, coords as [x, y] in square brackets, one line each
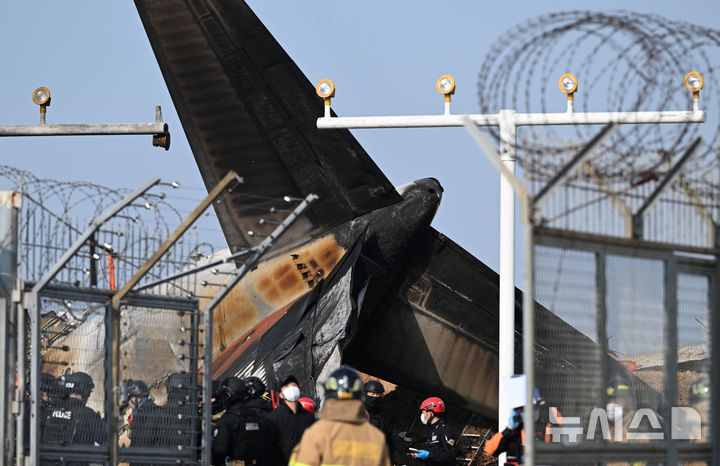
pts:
[246, 106]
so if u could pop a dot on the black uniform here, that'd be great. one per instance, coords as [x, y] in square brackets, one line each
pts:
[178, 421]
[291, 427]
[511, 442]
[144, 424]
[441, 445]
[379, 420]
[245, 433]
[72, 423]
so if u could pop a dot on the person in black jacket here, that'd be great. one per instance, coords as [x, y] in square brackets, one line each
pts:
[290, 418]
[244, 432]
[178, 420]
[440, 447]
[374, 392]
[510, 440]
[70, 421]
[142, 421]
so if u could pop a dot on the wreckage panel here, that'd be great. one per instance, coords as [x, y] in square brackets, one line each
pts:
[273, 285]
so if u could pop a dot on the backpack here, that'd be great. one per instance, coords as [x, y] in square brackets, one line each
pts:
[255, 436]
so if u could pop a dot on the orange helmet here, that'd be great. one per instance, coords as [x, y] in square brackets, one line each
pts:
[307, 404]
[434, 404]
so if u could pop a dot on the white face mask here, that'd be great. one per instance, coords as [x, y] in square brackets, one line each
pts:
[424, 419]
[291, 393]
[613, 410]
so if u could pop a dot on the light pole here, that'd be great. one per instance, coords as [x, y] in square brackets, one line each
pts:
[507, 121]
[41, 97]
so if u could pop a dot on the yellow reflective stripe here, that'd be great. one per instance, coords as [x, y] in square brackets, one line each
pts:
[292, 462]
[355, 449]
[296, 463]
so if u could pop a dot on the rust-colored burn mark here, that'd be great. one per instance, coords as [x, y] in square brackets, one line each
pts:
[273, 285]
[223, 361]
[291, 275]
[236, 311]
[315, 262]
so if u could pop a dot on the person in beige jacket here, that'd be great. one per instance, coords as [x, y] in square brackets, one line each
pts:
[342, 435]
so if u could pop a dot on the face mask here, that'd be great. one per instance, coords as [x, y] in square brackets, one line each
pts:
[424, 419]
[291, 393]
[613, 410]
[373, 402]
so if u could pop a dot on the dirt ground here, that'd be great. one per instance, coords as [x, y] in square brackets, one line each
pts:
[685, 378]
[401, 405]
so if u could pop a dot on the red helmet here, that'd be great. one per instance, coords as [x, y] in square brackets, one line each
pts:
[307, 404]
[434, 404]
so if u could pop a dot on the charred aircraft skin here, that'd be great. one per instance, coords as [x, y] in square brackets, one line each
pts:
[390, 233]
[417, 309]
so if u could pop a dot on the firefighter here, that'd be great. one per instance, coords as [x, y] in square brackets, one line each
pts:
[621, 403]
[374, 393]
[244, 432]
[440, 447]
[342, 435]
[290, 417]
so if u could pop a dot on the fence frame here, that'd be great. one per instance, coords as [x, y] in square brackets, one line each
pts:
[677, 260]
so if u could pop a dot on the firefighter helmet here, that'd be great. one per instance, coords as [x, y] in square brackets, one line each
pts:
[307, 404]
[434, 404]
[699, 390]
[344, 383]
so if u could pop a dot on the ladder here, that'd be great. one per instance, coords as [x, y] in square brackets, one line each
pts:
[471, 444]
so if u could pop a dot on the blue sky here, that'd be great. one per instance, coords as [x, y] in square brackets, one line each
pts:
[96, 59]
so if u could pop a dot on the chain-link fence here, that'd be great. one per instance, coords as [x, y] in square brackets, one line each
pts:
[159, 366]
[634, 384]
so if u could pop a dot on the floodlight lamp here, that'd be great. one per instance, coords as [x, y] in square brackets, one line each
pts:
[107, 246]
[445, 85]
[694, 82]
[175, 184]
[568, 84]
[326, 90]
[41, 96]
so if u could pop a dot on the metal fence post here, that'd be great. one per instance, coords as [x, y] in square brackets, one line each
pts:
[10, 204]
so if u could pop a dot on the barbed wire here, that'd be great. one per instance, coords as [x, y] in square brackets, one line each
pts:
[624, 61]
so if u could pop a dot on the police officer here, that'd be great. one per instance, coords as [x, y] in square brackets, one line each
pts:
[178, 421]
[244, 432]
[440, 447]
[70, 421]
[342, 435]
[374, 393]
[142, 422]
